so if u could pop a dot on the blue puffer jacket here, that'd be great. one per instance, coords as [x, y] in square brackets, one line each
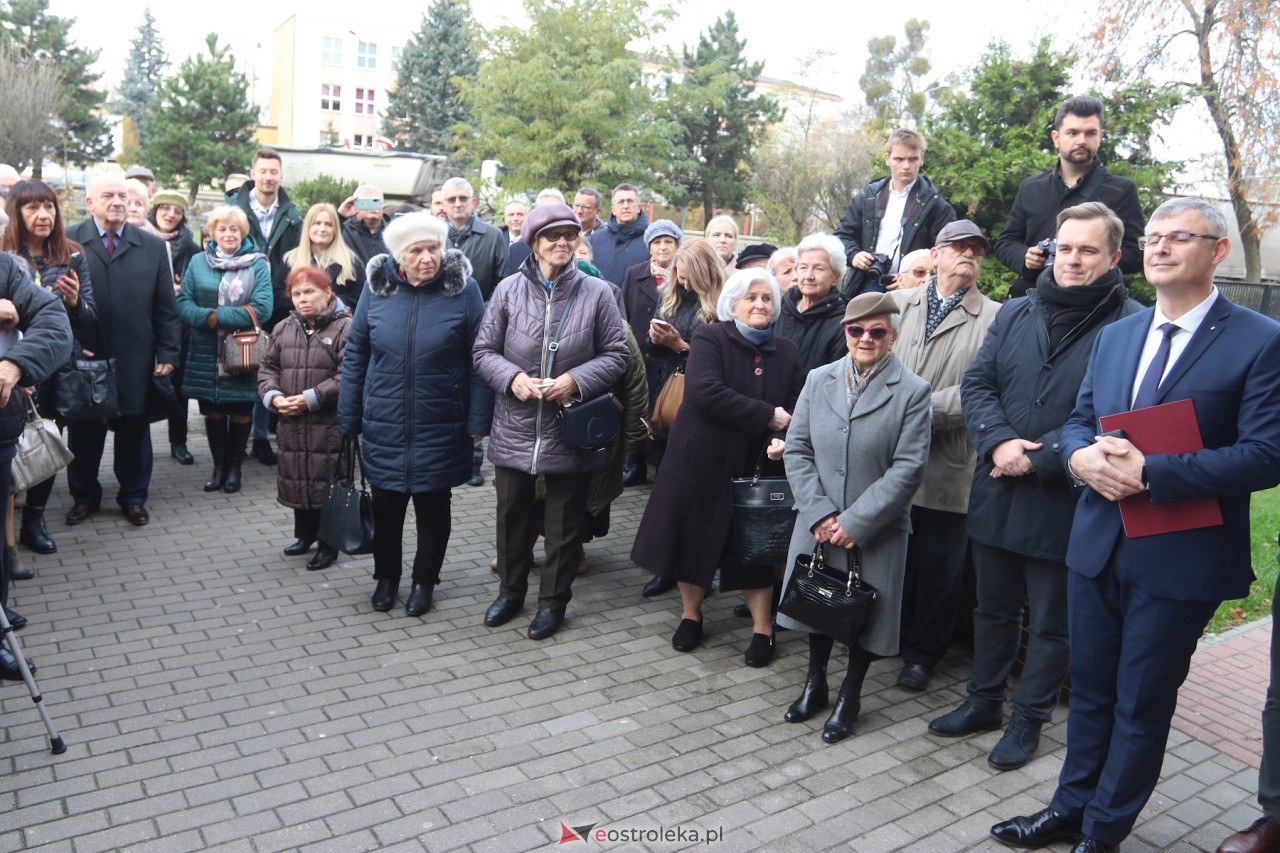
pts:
[197, 299]
[407, 381]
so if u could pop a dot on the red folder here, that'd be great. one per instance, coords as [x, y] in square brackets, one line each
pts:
[1167, 428]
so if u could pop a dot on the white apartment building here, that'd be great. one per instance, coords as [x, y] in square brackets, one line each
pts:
[329, 81]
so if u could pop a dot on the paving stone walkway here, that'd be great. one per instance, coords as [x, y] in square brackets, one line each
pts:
[215, 695]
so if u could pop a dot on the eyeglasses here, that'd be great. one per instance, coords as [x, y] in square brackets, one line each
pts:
[457, 199]
[1173, 238]
[877, 333]
[625, 202]
[973, 245]
[586, 207]
[559, 236]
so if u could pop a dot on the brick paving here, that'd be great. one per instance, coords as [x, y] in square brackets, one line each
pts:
[215, 695]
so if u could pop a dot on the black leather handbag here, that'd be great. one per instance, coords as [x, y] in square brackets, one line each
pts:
[589, 424]
[764, 515]
[346, 516]
[828, 600]
[85, 390]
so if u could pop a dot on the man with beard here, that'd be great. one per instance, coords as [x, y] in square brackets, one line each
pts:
[1077, 177]
[944, 323]
[1018, 394]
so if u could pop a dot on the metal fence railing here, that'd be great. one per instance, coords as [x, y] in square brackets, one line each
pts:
[1263, 298]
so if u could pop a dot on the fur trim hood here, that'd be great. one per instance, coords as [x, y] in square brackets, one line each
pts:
[384, 277]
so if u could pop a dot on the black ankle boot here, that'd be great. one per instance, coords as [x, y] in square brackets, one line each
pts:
[477, 460]
[323, 559]
[384, 594]
[813, 698]
[237, 439]
[840, 724]
[217, 431]
[34, 535]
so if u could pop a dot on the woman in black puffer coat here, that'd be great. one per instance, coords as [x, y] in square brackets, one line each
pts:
[299, 379]
[408, 386]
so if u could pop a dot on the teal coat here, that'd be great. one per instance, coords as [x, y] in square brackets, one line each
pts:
[197, 299]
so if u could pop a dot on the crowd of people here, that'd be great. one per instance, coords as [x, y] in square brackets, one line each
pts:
[914, 419]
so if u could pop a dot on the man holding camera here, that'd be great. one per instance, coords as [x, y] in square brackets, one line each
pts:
[1026, 243]
[892, 216]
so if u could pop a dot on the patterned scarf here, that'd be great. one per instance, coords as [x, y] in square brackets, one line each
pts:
[939, 308]
[855, 383]
[236, 285]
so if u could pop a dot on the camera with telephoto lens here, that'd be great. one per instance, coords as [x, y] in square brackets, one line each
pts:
[1050, 248]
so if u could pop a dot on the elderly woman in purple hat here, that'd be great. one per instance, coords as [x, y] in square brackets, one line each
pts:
[548, 306]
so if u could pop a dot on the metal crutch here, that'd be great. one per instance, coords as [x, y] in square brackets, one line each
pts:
[6, 631]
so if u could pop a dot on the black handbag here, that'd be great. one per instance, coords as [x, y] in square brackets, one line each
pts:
[85, 390]
[827, 600]
[346, 516]
[589, 424]
[764, 515]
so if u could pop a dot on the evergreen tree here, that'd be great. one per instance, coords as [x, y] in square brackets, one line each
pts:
[425, 105]
[142, 74]
[719, 118]
[26, 25]
[560, 102]
[201, 127]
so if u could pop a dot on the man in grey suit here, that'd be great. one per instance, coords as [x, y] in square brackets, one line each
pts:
[138, 327]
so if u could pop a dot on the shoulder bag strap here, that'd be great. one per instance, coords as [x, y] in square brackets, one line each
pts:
[554, 345]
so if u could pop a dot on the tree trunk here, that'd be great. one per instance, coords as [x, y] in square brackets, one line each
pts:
[1250, 239]
[37, 168]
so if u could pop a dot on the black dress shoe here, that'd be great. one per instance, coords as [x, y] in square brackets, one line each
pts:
[16, 620]
[324, 558]
[135, 514]
[9, 667]
[845, 713]
[18, 570]
[687, 635]
[419, 600]
[1018, 743]
[545, 623]
[262, 451]
[34, 535]
[1262, 836]
[657, 586]
[761, 650]
[502, 611]
[915, 676]
[1093, 845]
[813, 698]
[742, 611]
[180, 452]
[298, 548]
[384, 594]
[81, 512]
[968, 719]
[1036, 830]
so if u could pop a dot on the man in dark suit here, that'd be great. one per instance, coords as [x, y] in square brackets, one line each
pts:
[1137, 606]
[138, 327]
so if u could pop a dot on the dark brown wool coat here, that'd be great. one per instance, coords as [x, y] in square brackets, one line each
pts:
[731, 389]
[294, 363]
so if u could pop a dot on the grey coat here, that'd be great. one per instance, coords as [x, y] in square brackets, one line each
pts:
[864, 468]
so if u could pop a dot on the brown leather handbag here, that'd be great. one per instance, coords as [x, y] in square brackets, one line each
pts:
[242, 350]
[667, 406]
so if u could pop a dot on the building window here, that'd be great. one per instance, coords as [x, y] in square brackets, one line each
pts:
[330, 97]
[395, 59]
[366, 55]
[363, 140]
[332, 52]
[364, 102]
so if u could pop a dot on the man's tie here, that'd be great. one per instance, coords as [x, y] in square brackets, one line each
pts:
[1151, 380]
[110, 239]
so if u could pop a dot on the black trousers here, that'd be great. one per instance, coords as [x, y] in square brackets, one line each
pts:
[1005, 581]
[434, 526]
[306, 524]
[564, 521]
[1269, 772]
[931, 592]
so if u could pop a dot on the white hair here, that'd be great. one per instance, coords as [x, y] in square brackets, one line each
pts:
[738, 285]
[549, 192]
[826, 243]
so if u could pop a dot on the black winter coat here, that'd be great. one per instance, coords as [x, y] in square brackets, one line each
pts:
[818, 333]
[44, 347]
[306, 358]
[1016, 388]
[1035, 213]
[137, 310]
[923, 218]
[363, 243]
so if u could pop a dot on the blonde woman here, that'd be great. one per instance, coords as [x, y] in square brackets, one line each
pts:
[722, 234]
[321, 246]
[686, 302]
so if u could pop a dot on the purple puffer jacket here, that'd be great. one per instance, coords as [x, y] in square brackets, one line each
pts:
[520, 321]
